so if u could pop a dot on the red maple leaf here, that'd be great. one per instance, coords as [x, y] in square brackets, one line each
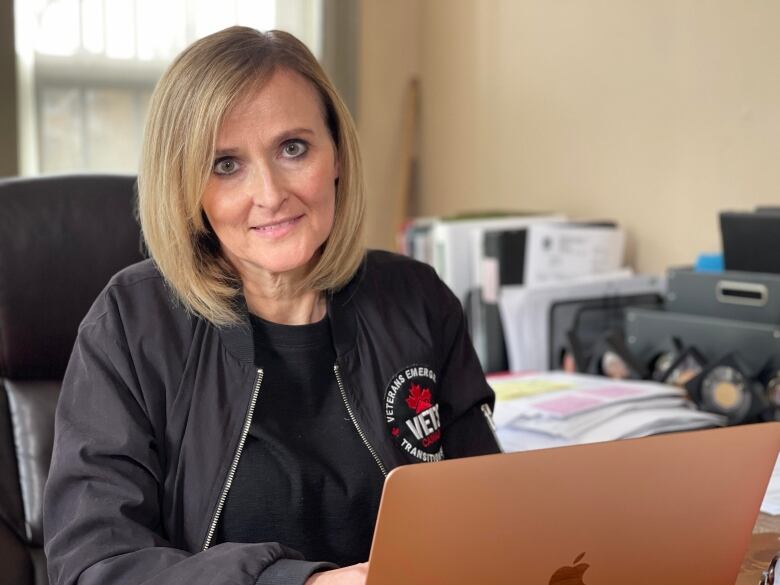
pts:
[395, 431]
[419, 398]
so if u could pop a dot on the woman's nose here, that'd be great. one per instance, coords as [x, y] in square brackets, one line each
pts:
[266, 188]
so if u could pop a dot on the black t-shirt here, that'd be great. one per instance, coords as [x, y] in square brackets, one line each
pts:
[305, 479]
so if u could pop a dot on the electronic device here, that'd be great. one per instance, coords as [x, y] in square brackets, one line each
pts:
[758, 344]
[677, 508]
[589, 319]
[750, 241]
[724, 387]
[745, 296]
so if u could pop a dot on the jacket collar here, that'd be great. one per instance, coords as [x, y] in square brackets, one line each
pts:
[341, 312]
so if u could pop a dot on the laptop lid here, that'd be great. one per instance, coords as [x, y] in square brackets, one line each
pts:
[676, 508]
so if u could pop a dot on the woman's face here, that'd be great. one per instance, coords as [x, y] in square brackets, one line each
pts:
[271, 195]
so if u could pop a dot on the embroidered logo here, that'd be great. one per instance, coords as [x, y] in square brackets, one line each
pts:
[412, 413]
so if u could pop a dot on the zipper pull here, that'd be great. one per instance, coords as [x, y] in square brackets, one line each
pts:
[489, 418]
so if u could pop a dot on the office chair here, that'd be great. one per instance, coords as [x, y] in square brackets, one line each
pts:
[61, 239]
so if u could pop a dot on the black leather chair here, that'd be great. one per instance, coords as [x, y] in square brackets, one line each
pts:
[61, 239]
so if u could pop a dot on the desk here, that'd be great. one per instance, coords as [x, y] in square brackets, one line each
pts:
[765, 544]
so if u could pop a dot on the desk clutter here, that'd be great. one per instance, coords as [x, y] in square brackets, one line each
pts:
[542, 293]
[523, 278]
[717, 336]
[555, 409]
[618, 355]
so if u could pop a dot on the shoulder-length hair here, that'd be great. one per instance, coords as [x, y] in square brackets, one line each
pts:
[186, 111]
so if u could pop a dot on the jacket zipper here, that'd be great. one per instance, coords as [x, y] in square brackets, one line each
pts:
[355, 422]
[233, 466]
[489, 418]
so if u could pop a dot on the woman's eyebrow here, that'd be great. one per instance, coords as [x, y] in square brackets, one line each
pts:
[279, 138]
[225, 152]
[292, 133]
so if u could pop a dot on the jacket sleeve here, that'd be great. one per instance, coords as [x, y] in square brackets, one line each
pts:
[468, 399]
[102, 519]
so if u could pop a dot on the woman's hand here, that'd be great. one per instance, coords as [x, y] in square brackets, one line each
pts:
[352, 575]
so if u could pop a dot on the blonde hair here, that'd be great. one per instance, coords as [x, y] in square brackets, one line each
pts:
[186, 111]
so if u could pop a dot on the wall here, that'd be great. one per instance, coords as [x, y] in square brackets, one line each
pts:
[8, 131]
[389, 59]
[657, 114]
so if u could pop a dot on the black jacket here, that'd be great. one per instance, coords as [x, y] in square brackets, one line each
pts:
[156, 403]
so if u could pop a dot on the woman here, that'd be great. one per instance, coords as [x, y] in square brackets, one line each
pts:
[233, 404]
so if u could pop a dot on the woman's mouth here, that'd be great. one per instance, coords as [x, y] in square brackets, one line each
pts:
[277, 229]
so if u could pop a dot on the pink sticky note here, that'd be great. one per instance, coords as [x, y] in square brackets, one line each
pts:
[567, 404]
[613, 391]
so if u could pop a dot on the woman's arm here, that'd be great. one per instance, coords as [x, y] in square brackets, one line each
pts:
[102, 519]
[352, 575]
[468, 406]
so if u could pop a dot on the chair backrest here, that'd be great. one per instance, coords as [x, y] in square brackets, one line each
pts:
[61, 239]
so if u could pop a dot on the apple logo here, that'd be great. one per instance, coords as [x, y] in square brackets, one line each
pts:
[570, 575]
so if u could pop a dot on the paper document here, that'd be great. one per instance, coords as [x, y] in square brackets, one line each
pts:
[771, 503]
[508, 387]
[555, 408]
[457, 246]
[525, 311]
[560, 253]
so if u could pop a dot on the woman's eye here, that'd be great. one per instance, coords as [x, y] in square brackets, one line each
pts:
[294, 149]
[225, 166]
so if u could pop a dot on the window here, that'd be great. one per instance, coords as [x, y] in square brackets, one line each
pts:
[88, 68]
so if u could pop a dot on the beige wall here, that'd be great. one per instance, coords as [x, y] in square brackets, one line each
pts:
[657, 114]
[389, 59]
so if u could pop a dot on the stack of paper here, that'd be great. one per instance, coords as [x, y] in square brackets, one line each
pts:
[555, 409]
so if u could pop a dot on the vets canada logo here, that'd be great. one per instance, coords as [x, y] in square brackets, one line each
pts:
[412, 413]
